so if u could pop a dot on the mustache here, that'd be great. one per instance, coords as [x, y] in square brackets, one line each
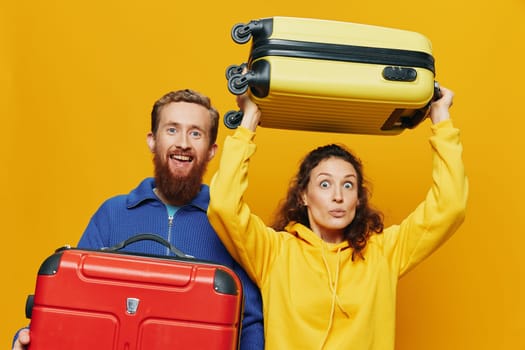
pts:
[178, 190]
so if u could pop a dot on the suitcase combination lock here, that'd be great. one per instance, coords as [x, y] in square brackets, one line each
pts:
[399, 73]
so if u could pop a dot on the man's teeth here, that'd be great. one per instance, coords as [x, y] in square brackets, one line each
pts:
[181, 158]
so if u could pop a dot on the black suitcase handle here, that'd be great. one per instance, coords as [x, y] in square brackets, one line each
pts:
[148, 237]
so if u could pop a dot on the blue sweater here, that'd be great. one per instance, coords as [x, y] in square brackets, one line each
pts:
[141, 211]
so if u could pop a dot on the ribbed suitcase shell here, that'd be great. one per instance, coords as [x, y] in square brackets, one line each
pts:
[338, 95]
[81, 302]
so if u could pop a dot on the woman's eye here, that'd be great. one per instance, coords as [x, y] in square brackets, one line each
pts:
[348, 185]
[324, 184]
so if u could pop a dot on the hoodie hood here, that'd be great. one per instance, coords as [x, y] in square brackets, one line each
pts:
[307, 235]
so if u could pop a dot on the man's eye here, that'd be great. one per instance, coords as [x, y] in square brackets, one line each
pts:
[172, 130]
[324, 184]
[195, 134]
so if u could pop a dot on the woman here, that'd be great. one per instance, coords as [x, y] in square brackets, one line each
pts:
[328, 271]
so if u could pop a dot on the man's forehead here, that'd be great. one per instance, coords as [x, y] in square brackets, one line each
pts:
[184, 113]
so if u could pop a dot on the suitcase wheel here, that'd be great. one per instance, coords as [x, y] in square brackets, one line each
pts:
[241, 33]
[29, 305]
[238, 84]
[232, 119]
[235, 70]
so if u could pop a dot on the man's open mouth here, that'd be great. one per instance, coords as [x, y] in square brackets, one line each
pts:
[181, 157]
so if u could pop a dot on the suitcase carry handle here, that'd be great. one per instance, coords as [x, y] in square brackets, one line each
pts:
[437, 92]
[148, 237]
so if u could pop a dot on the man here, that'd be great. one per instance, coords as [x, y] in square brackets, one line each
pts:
[182, 139]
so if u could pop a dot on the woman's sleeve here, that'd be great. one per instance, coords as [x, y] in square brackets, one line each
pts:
[245, 235]
[442, 211]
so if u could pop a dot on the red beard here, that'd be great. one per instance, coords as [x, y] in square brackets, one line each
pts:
[178, 190]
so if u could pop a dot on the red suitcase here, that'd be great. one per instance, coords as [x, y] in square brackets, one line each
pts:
[113, 300]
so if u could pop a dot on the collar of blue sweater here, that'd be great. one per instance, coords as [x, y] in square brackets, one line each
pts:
[144, 192]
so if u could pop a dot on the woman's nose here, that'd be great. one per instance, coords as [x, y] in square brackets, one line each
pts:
[337, 195]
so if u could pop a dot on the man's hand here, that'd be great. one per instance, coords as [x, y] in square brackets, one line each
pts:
[22, 340]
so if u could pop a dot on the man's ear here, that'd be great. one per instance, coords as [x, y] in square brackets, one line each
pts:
[150, 139]
[212, 151]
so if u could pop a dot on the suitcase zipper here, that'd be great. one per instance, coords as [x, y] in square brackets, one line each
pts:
[345, 53]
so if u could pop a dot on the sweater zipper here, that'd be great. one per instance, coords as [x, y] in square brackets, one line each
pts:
[170, 225]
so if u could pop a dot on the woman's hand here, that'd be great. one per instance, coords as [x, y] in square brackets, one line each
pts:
[251, 112]
[439, 110]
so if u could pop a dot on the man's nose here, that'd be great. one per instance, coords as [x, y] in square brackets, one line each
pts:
[182, 140]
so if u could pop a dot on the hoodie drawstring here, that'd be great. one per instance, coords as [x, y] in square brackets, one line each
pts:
[333, 288]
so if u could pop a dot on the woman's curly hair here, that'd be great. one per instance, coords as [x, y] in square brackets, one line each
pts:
[366, 221]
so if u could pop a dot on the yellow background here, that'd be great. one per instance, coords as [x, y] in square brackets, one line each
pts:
[77, 81]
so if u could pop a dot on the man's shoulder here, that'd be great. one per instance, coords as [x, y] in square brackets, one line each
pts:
[203, 198]
[137, 195]
[116, 200]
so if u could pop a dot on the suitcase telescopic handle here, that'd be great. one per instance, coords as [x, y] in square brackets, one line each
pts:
[148, 237]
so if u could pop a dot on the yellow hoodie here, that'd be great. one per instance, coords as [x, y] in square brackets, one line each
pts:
[314, 296]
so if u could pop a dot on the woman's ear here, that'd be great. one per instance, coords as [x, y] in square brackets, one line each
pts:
[304, 202]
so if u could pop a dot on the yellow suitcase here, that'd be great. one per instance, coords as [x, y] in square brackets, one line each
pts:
[331, 76]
